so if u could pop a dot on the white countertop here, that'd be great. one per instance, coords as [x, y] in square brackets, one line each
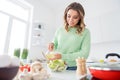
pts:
[65, 75]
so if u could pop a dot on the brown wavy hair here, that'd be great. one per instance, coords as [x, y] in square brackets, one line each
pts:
[79, 8]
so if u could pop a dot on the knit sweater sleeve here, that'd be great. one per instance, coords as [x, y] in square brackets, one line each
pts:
[55, 39]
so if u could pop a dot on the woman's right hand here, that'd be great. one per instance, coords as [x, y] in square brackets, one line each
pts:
[56, 56]
[50, 46]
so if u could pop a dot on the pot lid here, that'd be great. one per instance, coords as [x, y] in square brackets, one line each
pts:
[104, 66]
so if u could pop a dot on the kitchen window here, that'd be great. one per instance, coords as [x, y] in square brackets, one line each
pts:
[15, 24]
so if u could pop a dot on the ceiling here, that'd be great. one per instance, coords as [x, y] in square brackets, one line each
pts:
[92, 7]
[55, 4]
[58, 3]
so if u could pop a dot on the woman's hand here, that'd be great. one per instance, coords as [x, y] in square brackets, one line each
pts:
[54, 56]
[51, 46]
[57, 56]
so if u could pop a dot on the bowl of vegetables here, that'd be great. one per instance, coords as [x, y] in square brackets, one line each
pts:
[55, 61]
[57, 65]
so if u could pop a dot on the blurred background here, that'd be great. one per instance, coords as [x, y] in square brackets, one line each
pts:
[32, 23]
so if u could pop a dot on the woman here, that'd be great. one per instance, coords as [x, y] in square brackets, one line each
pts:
[72, 40]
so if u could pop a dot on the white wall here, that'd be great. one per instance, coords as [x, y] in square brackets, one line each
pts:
[102, 18]
[43, 15]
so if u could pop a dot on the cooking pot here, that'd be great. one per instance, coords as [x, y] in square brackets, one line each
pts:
[107, 70]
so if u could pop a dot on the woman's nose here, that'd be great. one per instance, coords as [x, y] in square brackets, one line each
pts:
[71, 19]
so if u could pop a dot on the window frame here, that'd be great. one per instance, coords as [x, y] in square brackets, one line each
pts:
[24, 5]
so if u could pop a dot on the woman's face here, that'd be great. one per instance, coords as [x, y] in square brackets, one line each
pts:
[72, 17]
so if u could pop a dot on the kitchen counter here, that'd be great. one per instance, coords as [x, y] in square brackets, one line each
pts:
[66, 75]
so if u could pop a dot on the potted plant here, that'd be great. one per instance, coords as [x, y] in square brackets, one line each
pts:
[17, 52]
[24, 53]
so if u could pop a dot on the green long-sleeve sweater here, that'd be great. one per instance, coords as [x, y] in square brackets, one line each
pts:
[72, 45]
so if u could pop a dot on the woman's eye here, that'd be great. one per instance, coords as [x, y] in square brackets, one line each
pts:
[75, 17]
[68, 16]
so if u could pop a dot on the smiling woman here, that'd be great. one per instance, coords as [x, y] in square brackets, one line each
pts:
[15, 25]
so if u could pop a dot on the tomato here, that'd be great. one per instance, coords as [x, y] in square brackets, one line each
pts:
[25, 67]
[28, 67]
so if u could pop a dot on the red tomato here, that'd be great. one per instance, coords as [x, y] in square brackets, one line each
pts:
[28, 67]
[25, 67]
[21, 68]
